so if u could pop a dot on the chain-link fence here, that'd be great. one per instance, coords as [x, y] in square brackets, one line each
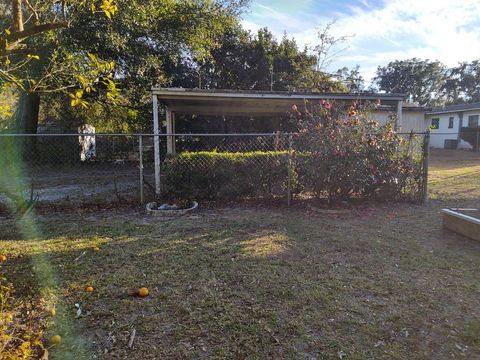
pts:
[226, 166]
[80, 169]
[467, 139]
[70, 168]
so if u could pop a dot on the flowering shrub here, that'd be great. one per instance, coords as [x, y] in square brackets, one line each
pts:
[341, 153]
[338, 153]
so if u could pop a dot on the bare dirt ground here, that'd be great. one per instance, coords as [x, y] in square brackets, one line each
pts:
[379, 281]
[80, 184]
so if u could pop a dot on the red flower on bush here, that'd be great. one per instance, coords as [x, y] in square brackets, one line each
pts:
[325, 104]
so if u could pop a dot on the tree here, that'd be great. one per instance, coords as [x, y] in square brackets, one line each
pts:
[261, 62]
[422, 80]
[328, 48]
[246, 61]
[155, 43]
[25, 20]
[32, 59]
[351, 78]
[462, 83]
[145, 42]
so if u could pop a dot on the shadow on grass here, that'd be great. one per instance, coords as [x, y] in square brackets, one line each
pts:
[261, 284]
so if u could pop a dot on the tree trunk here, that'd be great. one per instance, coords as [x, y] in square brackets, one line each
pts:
[27, 113]
[17, 24]
[26, 119]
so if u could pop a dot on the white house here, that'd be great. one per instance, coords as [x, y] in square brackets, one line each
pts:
[445, 123]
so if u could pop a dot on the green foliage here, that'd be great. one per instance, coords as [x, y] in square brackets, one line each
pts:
[351, 78]
[8, 100]
[339, 153]
[34, 58]
[32, 29]
[166, 35]
[462, 83]
[423, 80]
[223, 175]
[261, 62]
[181, 43]
[106, 117]
[430, 82]
[92, 75]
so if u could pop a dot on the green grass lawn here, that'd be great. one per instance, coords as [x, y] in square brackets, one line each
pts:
[454, 175]
[381, 281]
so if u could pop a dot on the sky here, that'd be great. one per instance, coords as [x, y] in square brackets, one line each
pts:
[379, 31]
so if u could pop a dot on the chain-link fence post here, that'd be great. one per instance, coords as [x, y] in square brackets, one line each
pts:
[426, 154]
[478, 136]
[289, 190]
[140, 165]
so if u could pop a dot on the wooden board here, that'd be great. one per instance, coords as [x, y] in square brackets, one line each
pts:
[461, 222]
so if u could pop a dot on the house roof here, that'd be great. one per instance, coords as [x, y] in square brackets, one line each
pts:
[223, 102]
[405, 108]
[454, 108]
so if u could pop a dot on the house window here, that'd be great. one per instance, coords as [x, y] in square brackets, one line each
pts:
[450, 122]
[473, 121]
[435, 124]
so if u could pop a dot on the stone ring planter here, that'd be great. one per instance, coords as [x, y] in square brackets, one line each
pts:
[152, 209]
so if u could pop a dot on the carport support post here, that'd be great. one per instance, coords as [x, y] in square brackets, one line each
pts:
[156, 144]
[140, 161]
[478, 138]
[170, 117]
[426, 154]
[398, 120]
[289, 189]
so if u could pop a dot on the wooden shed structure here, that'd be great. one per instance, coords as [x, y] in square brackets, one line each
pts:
[241, 102]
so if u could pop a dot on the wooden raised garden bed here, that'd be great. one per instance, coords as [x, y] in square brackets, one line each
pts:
[463, 221]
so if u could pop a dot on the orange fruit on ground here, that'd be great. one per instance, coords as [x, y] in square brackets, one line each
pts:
[3, 258]
[96, 248]
[89, 289]
[56, 339]
[143, 292]
[52, 312]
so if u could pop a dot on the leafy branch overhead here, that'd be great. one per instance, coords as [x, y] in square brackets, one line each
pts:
[96, 74]
[28, 36]
[33, 18]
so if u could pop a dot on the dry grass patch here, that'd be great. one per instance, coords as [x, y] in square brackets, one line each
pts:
[379, 282]
[267, 284]
[454, 175]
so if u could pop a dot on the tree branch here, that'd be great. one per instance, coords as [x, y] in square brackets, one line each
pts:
[19, 50]
[35, 30]
[32, 9]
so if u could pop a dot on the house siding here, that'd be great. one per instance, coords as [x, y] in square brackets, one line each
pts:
[411, 120]
[438, 136]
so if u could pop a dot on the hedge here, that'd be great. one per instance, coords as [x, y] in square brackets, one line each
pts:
[224, 175]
